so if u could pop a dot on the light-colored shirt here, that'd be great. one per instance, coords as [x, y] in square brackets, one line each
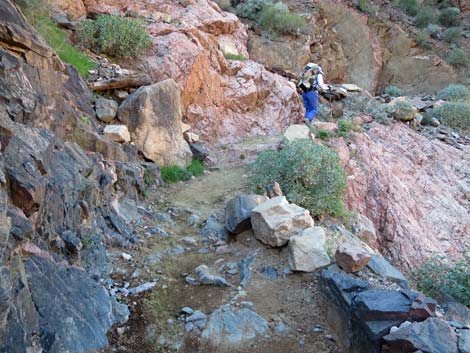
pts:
[320, 82]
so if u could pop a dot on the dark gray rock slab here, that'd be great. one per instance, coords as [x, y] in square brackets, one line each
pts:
[430, 336]
[238, 212]
[383, 268]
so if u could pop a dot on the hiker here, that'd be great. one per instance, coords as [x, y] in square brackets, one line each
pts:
[310, 83]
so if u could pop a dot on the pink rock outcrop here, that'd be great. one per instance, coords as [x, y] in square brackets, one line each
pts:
[416, 191]
[223, 100]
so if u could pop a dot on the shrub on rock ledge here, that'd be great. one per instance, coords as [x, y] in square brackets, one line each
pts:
[309, 174]
[455, 115]
[455, 93]
[115, 35]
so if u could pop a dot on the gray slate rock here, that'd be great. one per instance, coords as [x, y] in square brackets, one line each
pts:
[464, 341]
[383, 268]
[21, 227]
[106, 109]
[457, 312]
[238, 212]
[230, 328]
[430, 336]
[200, 152]
[207, 276]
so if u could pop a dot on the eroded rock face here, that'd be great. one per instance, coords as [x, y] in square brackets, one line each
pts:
[154, 119]
[415, 191]
[223, 100]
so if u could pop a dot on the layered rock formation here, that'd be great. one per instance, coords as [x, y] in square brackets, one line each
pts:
[56, 200]
[416, 192]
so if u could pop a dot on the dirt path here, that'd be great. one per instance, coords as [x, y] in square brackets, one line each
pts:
[289, 302]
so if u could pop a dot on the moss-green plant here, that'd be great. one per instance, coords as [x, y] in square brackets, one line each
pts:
[344, 127]
[453, 34]
[411, 7]
[458, 57]
[230, 56]
[36, 12]
[450, 17]
[423, 39]
[363, 5]
[393, 91]
[148, 177]
[433, 30]
[196, 167]
[426, 16]
[174, 173]
[455, 93]
[250, 9]
[115, 35]
[85, 119]
[277, 19]
[324, 135]
[309, 174]
[443, 274]
[455, 115]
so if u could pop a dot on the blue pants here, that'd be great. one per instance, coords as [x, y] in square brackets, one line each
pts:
[311, 104]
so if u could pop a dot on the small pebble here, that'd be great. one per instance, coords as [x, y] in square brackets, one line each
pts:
[126, 256]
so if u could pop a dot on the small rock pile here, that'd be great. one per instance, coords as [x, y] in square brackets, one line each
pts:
[106, 70]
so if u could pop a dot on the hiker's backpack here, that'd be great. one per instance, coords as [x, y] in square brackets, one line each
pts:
[309, 81]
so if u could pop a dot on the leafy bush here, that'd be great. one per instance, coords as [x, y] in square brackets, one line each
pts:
[393, 91]
[433, 30]
[344, 127]
[363, 5]
[251, 9]
[174, 173]
[309, 174]
[458, 57]
[277, 19]
[36, 12]
[359, 105]
[195, 168]
[230, 56]
[455, 93]
[426, 16]
[411, 7]
[423, 39]
[450, 17]
[324, 135]
[453, 34]
[115, 35]
[455, 115]
[442, 274]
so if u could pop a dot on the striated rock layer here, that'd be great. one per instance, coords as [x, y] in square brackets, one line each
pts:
[416, 191]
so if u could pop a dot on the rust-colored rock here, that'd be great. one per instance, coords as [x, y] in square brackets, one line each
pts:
[351, 258]
[415, 191]
[74, 8]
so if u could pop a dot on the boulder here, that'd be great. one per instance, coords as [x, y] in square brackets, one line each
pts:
[323, 125]
[106, 109]
[350, 87]
[458, 313]
[351, 257]
[432, 336]
[229, 329]
[464, 341]
[154, 118]
[238, 212]
[275, 221]
[383, 268]
[199, 151]
[21, 226]
[117, 133]
[298, 132]
[306, 250]
[191, 137]
[185, 127]
[73, 8]
[364, 229]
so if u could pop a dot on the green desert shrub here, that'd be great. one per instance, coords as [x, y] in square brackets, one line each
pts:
[393, 91]
[423, 39]
[411, 7]
[450, 17]
[324, 135]
[355, 105]
[455, 93]
[251, 9]
[363, 5]
[433, 30]
[174, 173]
[277, 19]
[453, 34]
[458, 57]
[115, 35]
[309, 174]
[425, 17]
[230, 56]
[444, 275]
[344, 127]
[454, 114]
[196, 167]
